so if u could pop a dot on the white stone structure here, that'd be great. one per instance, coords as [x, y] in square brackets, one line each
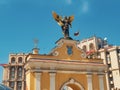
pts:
[14, 72]
[111, 56]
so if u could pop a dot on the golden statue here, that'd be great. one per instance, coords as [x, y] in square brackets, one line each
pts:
[64, 23]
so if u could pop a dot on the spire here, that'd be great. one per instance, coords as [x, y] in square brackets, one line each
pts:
[36, 49]
[36, 43]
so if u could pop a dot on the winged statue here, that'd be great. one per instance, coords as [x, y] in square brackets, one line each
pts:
[65, 23]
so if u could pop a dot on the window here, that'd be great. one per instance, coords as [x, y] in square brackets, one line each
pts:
[12, 60]
[12, 72]
[91, 46]
[12, 85]
[98, 54]
[108, 58]
[118, 50]
[107, 53]
[20, 60]
[84, 48]
[19, 85]
[119, 58]
[19, 72]
[69, 50]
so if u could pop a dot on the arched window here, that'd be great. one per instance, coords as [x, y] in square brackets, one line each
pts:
[19, 71]
[13, 60]
[12, 72]
[20, 60]
[91, 46]
[84, 48]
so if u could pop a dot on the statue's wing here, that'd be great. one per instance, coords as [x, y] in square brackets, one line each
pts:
[57, 18]
[71, 18]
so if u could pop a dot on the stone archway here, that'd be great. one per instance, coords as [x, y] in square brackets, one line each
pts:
[72, 85]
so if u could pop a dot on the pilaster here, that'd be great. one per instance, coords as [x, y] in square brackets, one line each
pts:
[101, 82]
[89, 81]
[15, 85]
[38, 81]
[52, 80]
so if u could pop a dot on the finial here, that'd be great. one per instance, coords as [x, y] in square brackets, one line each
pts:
[36, 43]
[35, 49]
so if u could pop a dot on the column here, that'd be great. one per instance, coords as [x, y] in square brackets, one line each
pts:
[52, 80]
[8, 73]
[38, 81]
[101, 82]
[16, 77]
[23, 85]
[27, 79]
[16, 73]
[89, 81]
[23, 79]
[15, 85]
[8, 76]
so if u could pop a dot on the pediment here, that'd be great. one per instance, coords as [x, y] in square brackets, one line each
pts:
[67, 50]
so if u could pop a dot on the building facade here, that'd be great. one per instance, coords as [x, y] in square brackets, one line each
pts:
[14, 72]
[21, 69]
[64, 68]
[111, 56]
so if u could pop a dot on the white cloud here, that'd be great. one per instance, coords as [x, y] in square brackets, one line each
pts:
[69, 2]
[85, 7]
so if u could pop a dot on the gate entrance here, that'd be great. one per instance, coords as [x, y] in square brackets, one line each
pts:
[72, 85]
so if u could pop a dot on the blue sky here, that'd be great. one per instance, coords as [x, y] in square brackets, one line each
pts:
[21, 21]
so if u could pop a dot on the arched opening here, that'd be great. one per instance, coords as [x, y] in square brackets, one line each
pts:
[67, 88]
[20, 60]
[84, 48]
[72, 85]
[91, 46]
[12, 60]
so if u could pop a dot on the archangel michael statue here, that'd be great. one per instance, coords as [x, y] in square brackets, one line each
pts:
[65, 23]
